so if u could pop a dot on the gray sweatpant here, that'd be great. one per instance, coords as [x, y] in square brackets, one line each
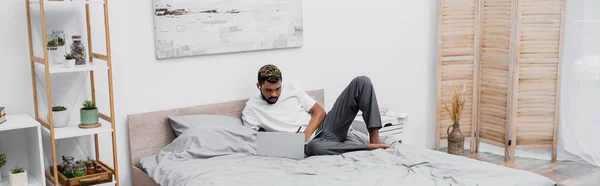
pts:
[332, 135]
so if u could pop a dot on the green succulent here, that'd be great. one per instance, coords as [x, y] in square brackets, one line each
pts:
[51, 43]
[17, 170]
[59, 108]
[2, 160]
[69, 56]
[89, 105]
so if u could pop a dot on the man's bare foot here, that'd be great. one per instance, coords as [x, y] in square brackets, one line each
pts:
[375, 141]
[377, 146]
[374, 136]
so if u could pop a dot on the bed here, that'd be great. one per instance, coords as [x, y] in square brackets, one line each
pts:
[224, 154]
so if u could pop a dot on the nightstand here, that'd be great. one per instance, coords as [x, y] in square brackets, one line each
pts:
[393, 125]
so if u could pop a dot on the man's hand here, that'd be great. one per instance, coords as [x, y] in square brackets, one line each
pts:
[306, 135]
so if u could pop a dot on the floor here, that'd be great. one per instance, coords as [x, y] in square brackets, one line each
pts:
[566, 173]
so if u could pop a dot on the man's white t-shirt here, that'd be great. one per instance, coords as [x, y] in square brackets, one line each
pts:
[288, 114]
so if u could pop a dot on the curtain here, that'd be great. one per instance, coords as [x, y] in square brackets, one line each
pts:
[579, 122]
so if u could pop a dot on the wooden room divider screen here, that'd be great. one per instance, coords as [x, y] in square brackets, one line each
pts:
[508, 52]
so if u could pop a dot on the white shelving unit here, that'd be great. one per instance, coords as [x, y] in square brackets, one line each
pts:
[42, 65]
[21, 142]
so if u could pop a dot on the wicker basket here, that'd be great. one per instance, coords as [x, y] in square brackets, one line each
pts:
[455, 140]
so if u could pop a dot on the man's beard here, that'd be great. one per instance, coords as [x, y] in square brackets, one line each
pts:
[267, 100]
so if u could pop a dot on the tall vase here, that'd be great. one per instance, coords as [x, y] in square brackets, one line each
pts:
[455, 140]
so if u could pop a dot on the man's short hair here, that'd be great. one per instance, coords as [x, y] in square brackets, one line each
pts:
[269, 73]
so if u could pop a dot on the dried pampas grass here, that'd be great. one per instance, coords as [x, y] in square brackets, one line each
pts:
[458, 105]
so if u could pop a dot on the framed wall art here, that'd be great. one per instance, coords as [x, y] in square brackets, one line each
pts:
[203, 27]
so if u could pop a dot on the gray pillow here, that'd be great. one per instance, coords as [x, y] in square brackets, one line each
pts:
[209, 141]
[180, 124]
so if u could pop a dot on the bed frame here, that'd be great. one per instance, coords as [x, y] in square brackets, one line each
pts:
[150, 132]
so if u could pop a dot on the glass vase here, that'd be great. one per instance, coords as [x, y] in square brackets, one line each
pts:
[67, 166]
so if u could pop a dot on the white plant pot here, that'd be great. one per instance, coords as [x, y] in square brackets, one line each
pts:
[61, 118]
[69, 63]
[18, 179]
[0, 176]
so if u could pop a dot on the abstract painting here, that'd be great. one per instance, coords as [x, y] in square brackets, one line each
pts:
[202, 27]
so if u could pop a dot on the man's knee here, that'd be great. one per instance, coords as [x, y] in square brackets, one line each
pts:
[362, 80]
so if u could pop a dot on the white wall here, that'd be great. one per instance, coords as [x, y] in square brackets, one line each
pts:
[15, 78]
[393, 42]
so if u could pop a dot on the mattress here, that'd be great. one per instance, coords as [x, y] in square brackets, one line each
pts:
[227, 156]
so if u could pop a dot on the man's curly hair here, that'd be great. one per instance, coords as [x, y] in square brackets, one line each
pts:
[269, 73]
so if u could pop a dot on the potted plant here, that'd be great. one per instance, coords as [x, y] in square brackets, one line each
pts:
[18, 177]
[2, 163]
[60, 116]
[61, 41]
[89, 113]
[69, 61]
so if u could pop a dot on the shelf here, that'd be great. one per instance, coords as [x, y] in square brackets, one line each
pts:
[75, 131]
[54, 69]
[50, 176]
[102, 184]
[31, 181]
[21, 121]
[73, 2]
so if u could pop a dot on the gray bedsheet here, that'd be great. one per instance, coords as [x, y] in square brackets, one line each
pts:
[229, 159]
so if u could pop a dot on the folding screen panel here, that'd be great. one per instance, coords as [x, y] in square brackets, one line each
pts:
[507, 52]
[497, 18]
[537, 74]
[457, 53]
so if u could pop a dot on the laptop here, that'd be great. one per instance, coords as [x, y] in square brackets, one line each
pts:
[280, 144]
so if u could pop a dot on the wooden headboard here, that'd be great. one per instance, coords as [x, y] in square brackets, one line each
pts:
[150, 132]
